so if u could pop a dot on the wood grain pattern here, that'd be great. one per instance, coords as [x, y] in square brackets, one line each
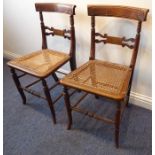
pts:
[56, 7]
[130, 43]
[135, 13]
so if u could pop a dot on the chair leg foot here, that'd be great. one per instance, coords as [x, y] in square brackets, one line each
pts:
[127, 101]
[18, 85]
[117, 124]
[68, 108]
[117, 138]
[24, 102]
[96, 96]
[49, 100]
[69, 126]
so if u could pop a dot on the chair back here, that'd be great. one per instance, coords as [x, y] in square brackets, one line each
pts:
[67, 9]
[124, 12]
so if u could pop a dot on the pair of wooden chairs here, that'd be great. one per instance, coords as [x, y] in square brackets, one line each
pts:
[97, 77]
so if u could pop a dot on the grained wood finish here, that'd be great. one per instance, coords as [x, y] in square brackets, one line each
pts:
[103, 78]
[45, 62]
[44, 40]
[56, 7]
[135, 13]
[135, 51]
[115, 40]
[73, 45]
[58, 32]
[92, 49]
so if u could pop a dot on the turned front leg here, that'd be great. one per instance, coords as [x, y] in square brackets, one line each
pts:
[18, 85]
[117, 123]
[49, 100]
[68, 108]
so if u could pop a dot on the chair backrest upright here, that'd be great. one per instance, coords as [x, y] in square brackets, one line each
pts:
[67, 9]
[131, 13]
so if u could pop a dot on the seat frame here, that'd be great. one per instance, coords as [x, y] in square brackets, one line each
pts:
[69, 10]
[130, 13]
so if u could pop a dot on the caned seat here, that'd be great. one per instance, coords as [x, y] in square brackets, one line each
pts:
[46, 62]
[101, 78]
[40, 63]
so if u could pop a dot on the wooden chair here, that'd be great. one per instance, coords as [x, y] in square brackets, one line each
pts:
[45, 62]
[103, 78]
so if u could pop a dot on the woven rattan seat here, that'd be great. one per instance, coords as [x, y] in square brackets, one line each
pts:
[103, 78]
[40, 63]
